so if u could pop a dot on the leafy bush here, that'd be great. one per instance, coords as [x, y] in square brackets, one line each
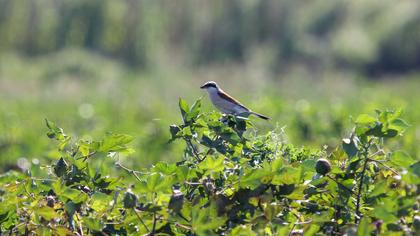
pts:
[230, 181]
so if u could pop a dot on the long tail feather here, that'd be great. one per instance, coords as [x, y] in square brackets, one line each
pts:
[260, 115]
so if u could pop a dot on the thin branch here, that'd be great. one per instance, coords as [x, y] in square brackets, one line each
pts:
[154, 224]
[342, 185]
[377, 153]
[183, 226]
[154, 216]
[209, 150]
[193, 150]
[387, 167]
[40, 179]
[359, 194]
[291, 231]
[133, 172]
[192, 183]
[27, 192]
[79, 223]
[141, 221]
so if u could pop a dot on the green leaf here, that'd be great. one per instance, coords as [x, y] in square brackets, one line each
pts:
[75, 195]
[415, 168]
[184, 108]
[350, 146]
[364, 119]
[402, 159]
[382, 213]
[174, 130]
[253, 178]
[114, 142]
[100, 201]
[84, 148]
[70, 207]
[129, 200]
[287, 175]
[364, 227]
[194, 110]
[55, 132]
[312, 230]
[93, 224]
[156, 182]
[205, 220]
[399, 124]
[46, 212]
[278, 163]
[165, 168]
[60, 167]
[212, 164]
[380, 188]
[176, 202]
[242, 230]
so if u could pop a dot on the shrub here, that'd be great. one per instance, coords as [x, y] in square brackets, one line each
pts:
[230, 181]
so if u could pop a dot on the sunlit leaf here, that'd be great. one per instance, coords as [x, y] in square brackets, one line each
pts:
[364, 227]
[401, 158]
[382, 213]
[364, 119]
[47, 212]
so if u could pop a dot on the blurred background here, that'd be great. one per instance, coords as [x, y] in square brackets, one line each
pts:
[101, 65]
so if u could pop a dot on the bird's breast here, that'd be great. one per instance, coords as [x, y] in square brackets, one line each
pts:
[224, 105]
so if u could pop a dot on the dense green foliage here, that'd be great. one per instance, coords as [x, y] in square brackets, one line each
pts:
[230, 180]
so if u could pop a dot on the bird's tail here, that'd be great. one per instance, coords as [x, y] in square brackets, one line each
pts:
[260, 116]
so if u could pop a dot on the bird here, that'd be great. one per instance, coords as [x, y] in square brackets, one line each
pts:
[226, 103]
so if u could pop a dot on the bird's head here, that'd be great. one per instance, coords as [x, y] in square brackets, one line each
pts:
[209, 85]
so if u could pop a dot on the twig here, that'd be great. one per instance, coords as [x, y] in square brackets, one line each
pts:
[88, 156]
[291, 231]
[141, 221]
[359, 194]
[192, 183]
[193, 150]
[40, 179]
[27, 192]
[80, 224]
[154, 224]
[133, 172]
[342, 185]
[376, 153]
[182, 226]
[154, 216]
[387, 167]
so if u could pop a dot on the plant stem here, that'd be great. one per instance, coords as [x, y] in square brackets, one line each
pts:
[342, 185]
[387, 167]
[359, 193]
[133, 172]
[141, 221]
[154, 224]
[154, 217]
[193, 150]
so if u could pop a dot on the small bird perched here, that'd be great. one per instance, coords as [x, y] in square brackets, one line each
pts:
[226, 103]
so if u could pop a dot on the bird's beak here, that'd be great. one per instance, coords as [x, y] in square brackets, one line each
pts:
[202, 86]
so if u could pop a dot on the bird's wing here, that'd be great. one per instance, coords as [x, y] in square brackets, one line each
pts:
[231, 99]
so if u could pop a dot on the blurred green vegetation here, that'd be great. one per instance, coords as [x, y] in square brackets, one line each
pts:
[90, 95]
[100, 66]
[372, 36]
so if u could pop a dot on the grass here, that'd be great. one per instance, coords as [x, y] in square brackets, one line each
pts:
[87, 94]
